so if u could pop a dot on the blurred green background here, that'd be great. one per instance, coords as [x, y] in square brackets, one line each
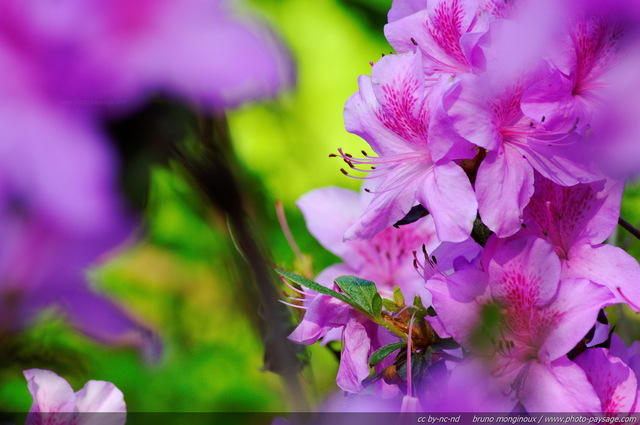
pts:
[177, 279]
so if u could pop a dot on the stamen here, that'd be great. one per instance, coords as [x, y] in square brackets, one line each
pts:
[294, 305]
[284, 225]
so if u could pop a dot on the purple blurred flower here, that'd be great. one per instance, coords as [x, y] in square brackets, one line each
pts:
[60, 215]
[445, 31]
[110, 53]
[521, 320]
[66, 67]
[54, 401]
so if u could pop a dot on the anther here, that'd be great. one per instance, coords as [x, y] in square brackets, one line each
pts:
[343, 171]
[364, 152]
[433, 258]
[415, 43]
[543, 118]
[333, 155]
[367, 190]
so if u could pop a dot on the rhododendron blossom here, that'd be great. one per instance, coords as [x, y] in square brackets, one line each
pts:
[54, 401]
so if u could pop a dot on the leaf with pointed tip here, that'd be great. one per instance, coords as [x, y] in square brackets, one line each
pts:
[363, 293]
[382, 353]
[390, 306]
[307, 283]
[398, 297]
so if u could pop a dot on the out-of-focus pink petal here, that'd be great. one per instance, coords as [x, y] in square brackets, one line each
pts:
[101, 396]
[328, 212]
[50, 392]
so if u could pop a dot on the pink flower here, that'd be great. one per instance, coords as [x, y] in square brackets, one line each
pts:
[445, 31]
[386, 259]
[520, 320]
[54, 401]
[392, 112]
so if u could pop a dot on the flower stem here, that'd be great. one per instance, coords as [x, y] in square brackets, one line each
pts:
[629, 227]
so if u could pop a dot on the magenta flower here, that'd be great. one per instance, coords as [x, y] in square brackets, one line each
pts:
[392, 112]
[445, 31]
[54, 401]
[386, 259]
[538, 319]
[485, 110]
[575, 220]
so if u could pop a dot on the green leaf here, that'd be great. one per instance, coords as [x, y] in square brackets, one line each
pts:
[398, 297]
[363, 293]
[307, 283]
[382, 353]
[390, 305]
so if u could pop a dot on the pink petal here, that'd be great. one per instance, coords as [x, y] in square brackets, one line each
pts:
[437, 30]
[354, 366]
[609, 266]
[561, 387]
[388, 111]
[565, 161]
[614, 382]
[525, 269]
[324, 313]
[101, 396]
[394, 197]
[458, 300]
[468, 106]
[567, 216]
[504, 185]
[570, 316]
[328, 213]
[447, 194]
[50, 392]
[401, 8]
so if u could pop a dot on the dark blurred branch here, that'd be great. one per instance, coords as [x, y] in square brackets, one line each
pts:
[212, 168]
[629, 227]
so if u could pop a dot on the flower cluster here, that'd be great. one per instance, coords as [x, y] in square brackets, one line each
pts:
[491, 182]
